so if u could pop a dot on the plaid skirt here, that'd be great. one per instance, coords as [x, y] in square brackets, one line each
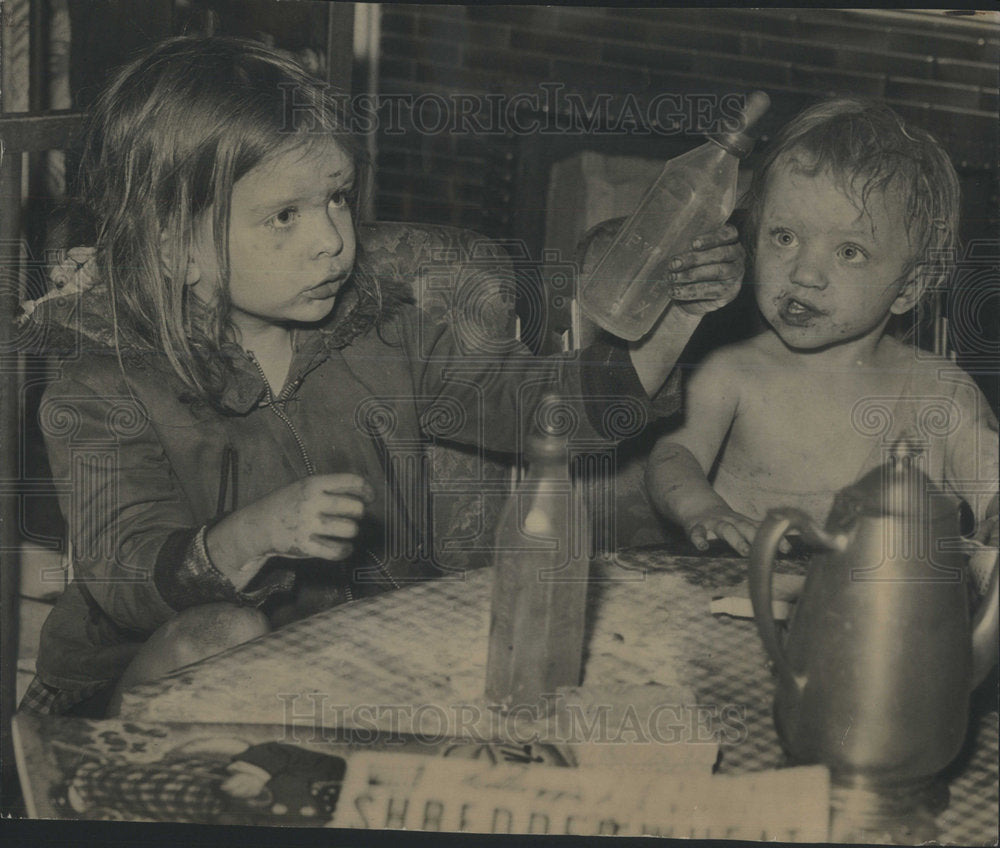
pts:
[42, 699]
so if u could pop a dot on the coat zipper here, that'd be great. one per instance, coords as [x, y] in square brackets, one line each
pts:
[273, 402]
[310, 468]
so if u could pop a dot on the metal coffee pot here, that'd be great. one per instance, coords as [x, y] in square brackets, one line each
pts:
[882, 654]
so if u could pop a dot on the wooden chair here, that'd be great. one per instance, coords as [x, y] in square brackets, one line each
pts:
[19, 135]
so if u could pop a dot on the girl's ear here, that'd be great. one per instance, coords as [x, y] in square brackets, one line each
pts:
[192, 272]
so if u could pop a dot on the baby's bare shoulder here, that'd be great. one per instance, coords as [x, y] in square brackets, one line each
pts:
[935, 382]
[927, 370]
[729, 371]
[743, 357]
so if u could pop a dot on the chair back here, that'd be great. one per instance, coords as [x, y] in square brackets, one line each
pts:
[19, 135]
[462, 278]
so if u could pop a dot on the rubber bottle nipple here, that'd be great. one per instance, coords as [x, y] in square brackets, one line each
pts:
[739, 143]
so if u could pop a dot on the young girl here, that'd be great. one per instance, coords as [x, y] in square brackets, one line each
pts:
[851, 214]
[236, 335]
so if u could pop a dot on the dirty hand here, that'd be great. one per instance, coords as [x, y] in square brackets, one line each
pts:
[708, 276]
[723, 523]
[314, 517]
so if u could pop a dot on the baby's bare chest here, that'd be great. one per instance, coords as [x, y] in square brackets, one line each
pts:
[803, 434]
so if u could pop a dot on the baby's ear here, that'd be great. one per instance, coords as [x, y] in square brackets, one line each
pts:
[909, 294]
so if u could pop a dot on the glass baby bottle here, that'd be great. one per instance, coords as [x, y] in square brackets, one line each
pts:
[695, 193]
[541, 563]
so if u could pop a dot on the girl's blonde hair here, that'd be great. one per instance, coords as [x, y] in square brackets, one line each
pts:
[169, 137]
[868, 148]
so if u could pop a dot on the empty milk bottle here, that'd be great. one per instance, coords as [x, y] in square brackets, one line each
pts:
[694, 194]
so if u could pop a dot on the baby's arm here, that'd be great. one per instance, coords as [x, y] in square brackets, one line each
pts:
[972, 464]
[677, 472]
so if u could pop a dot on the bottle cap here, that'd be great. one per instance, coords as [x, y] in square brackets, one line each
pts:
[739, 143]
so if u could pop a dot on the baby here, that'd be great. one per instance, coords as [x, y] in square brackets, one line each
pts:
[847, 211]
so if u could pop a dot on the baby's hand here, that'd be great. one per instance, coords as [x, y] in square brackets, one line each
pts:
[988, 531]
[983, 560]
[724, 523]
[313, 517]
[708, 276]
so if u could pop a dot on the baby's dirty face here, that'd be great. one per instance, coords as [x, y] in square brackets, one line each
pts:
[827, 270]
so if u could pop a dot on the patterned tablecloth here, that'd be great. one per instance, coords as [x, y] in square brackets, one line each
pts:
[414, 660]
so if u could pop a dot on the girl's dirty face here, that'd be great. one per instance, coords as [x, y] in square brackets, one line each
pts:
[291, 238]
[828, 271]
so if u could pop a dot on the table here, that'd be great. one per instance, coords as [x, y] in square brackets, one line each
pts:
[383, 661]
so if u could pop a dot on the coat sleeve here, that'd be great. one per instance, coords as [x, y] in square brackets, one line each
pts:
[136, 546]
[488, 398]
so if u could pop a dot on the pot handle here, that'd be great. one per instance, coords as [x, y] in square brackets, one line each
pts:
[762, 553]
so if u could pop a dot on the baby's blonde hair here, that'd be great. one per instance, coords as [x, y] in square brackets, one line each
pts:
[862, 142]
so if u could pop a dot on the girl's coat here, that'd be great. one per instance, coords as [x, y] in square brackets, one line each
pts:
[150, 470]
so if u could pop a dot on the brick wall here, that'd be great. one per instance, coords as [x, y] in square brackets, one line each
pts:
[939, 72]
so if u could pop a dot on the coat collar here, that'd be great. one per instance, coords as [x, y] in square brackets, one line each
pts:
[245, 386]
[61, 322]
[354, 315]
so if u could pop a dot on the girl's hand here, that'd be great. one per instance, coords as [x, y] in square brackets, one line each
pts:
[699, 281]
[724, 523]
[313, 517]
[709, 276]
